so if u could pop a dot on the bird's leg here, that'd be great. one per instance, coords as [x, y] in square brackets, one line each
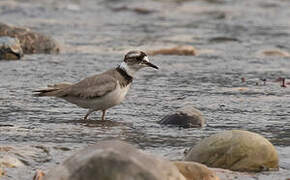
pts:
[103, 115]
[88, 113]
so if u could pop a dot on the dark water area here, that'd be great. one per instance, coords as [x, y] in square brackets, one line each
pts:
[230, 36]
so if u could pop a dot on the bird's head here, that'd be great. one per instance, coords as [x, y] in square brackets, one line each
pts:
[136, 60]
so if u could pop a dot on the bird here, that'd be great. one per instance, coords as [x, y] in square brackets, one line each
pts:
[102, 91]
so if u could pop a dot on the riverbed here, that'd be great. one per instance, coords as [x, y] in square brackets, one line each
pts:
[230, 38]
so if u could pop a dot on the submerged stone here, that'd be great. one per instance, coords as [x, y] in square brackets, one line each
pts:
[186, 117]
[235, 150]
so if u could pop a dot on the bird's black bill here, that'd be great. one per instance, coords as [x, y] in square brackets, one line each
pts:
[151, 65]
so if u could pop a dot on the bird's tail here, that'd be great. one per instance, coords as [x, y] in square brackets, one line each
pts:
[52, 90]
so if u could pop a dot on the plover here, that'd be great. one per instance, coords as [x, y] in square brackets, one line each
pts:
[102, 91]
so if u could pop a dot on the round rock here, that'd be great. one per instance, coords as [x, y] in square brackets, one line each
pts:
[235, 150]
[114, 160]
[10, 48]
[186, 117]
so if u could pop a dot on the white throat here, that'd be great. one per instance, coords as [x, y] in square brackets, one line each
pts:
[129, 71]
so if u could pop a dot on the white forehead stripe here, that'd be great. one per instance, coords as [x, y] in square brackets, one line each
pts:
[145, 58]
[136, 54]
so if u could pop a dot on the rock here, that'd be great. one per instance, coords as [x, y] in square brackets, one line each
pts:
[114, 160]
[274, 53]
[179, 50]
[235, 150]
[185, 117]
[10, 48]
[195, 171]
[31, 42]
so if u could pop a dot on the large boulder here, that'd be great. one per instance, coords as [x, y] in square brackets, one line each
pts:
[114, 160]
[235, 150]
[186, 117]
[31, 42]
[10, 48]
[195, 171]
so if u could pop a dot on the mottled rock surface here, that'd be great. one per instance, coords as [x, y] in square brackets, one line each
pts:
[186, 117]
[195, 171]
[235, 150]
[10, 48]
[114, 160]
[31, 42]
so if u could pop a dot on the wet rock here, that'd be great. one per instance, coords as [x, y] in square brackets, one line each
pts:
[235, 150]
[185, 117]
[179, 50]
[274, 53]
[31, 42]
[10, 48]
[195, 171]
[114, 160]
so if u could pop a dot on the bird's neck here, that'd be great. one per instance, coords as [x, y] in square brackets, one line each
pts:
[123, 71]
[129, 71]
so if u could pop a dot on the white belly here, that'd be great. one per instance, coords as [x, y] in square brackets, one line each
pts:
[113, 98]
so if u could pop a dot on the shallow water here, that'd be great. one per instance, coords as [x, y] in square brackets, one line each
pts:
[94, 38]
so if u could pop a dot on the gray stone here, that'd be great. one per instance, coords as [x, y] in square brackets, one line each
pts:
[235, 150]
[10, 48]
[185, 117]
[114, 160]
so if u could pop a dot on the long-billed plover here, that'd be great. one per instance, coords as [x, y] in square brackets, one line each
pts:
[102, 91]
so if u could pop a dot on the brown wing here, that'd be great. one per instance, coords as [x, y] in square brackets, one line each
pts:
[91, 87]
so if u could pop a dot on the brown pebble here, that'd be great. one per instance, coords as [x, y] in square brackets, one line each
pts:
[275, 52]
[179, 50]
